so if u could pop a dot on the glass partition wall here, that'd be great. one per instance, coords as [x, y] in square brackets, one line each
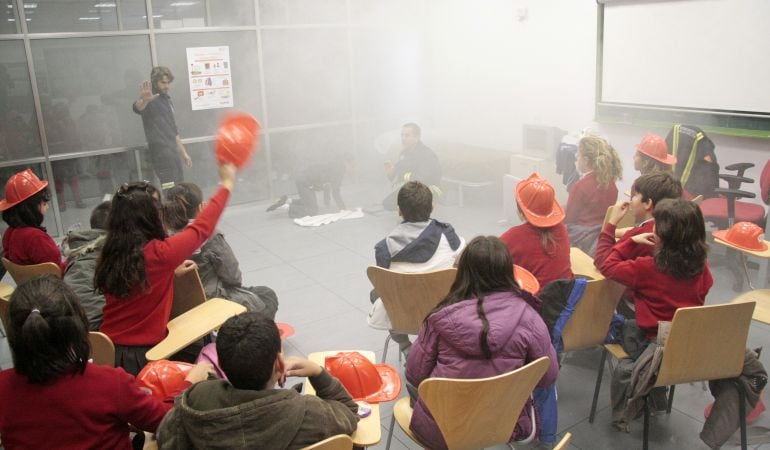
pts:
[71, 69]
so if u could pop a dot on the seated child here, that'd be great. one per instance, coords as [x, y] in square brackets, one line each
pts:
[217, 264]
[593, 193]
[25, 241]
[54, 397]
[82, 248]
[484, 327]
[418, 244]
[676, 275]
[248, 411]
[540, 244]
[646, 192]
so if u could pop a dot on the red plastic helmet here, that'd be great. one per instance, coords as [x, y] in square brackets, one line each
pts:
[20, 187]
[744, 235]
[163, 378]
[526, 279]
[655, 147]
[363, 379]
[237, 139]
[537, 201]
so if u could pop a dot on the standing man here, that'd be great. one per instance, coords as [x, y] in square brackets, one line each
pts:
[163, 142]
[416, 162]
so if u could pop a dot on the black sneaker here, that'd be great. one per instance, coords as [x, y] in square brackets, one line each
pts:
[278, 203]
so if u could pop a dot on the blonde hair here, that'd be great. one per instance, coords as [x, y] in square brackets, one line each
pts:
[650, 165]
[602, 158]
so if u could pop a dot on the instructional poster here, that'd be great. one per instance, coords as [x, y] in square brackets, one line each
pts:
[211, 84]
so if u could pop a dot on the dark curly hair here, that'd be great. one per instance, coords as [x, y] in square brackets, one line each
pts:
[181, 206]
[247, 346]
[134, 220]
[48, 330]
[681, 250]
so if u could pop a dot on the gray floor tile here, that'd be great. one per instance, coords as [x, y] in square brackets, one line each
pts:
[305, 305]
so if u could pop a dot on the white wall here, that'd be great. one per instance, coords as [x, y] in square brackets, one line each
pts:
[492, 72]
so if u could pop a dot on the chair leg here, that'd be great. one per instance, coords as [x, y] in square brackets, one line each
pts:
[599, 374]
[385, 350]
[742, 414]
[670, 399]
[390, 433]
[645, 442]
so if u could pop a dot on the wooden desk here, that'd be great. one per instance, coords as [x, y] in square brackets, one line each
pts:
[582, 264]
[193, 325]
[762, 297]
[369, 430]
[5, 291]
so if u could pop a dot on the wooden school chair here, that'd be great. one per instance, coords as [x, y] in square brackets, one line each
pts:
[588, 325]
[583, 265]
[694, 351]
[338, 442]
[102, 349]
[21, 273]
[409, 297]
[474, 413]
[188, 293]
[193, 325]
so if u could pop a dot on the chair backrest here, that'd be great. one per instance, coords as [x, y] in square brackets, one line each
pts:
[338, 442]
[626, 221]
[22, 273]
[409, 297]
[102, 349]
[589, 323]
[764, 183]
[188, 293]
[483, 412]
[706, 343]
[4, 304]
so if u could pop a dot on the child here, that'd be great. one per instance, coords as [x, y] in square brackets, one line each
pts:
[53, 397]
[652, 155]
[82, 249]
[675, 276]
[418, 244]
[540, 244]
[248, 411]
[135, 271]
[593, 193]
[484, 327]
[646, 192]
[24, 206]
[217, 264]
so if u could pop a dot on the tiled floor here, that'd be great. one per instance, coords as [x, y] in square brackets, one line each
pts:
[319, 275]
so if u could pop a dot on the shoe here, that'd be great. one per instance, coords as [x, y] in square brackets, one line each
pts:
[278, 203]
[80, 204]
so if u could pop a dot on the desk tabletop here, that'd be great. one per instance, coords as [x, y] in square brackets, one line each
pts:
[761, 254]
[369, 431]
[582, 264]
[762, 297]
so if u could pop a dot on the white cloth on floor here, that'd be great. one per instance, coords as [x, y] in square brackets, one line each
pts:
[325, 219]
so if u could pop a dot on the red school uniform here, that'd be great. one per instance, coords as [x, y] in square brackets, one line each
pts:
[30, 245]
[657, 295]
[141, 318]
[524, 245]
[588, 202]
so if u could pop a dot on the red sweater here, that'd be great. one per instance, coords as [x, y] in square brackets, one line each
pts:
[524, 245]
[657, 295]
[30, 245]
[607, 241]
[587, 203]
[89, 411]
[141, 319]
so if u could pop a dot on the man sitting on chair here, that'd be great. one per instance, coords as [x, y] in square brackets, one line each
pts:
[248, 411]
[418, 244]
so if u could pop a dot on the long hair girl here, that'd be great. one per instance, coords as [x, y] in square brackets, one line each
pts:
[681, 248]
[599, 156]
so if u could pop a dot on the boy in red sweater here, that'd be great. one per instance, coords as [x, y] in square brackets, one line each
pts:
[646, 192]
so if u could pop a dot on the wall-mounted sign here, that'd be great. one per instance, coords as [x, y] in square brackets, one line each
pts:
[211, 83]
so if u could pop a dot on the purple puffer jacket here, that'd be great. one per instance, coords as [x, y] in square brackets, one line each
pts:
[448, 346]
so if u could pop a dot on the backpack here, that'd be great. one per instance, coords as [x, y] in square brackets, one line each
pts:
[696, 166]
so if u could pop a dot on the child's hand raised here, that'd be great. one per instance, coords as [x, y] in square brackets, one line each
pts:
[618, 212]
[645, 239]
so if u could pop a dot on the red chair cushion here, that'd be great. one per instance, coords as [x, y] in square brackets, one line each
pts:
[715, 209]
